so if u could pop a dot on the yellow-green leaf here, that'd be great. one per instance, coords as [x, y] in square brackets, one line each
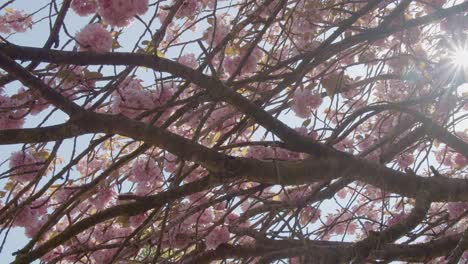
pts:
[9, 10]
[159, 54]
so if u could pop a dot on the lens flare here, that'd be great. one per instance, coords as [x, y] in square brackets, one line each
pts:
[460, 57]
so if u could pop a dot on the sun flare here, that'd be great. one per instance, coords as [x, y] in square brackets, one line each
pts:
[460, 57]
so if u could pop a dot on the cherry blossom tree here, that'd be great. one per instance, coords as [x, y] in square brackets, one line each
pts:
[241, 131]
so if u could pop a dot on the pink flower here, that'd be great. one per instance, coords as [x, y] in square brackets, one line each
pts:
[141, 6]
[345, 145]
[15, 21]
[63, 194]
[51, 255]
[26, 217]
[178, 237]
[148, 187]
[104, 198]
[218, 236]
[25, 166]
[455, 209]
[295, 260]
[32, 229]
[104, 255]
[232, 63]
[188, 60]
[137, 220]
[204, 218]
[145, 170]
[216, 34]
[95, 38]
[163, 94]
[131, 98]
[459, 161]
[84, 7]
[188, 8]
[86, 167]
[309, 215]
[260, 152]
[32, 217]
[11, 115]
[405, 160]
[304, 101]
[231, 218]
[396, 219]
[120, 12]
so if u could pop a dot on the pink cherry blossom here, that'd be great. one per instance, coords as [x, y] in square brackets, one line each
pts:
[178, 237]
[11, 114]
[25, 166]
[148, 187]
[295, 260]
[131, 98]
[163, 94]
[231, 218]
[137, 220]
[188, 8]
[34, 102]
[232, 63]
[120, 12]
[304, 102]
[145, 170]
[396, 218]
[27, 217]
[216, 34]
[51, 255]
[103, 255]
[63, 194]
[95, 38]
[455, 209]
[15, 21]
[84, 7]
[260, 152]
[460, 161]
[104, 198]
[86, 167]
[309, 215]
[216, 237]
[188, 60]
[31, 229]
[32, 217]
[405, 160]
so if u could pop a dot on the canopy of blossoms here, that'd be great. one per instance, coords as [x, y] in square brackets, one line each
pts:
[241, 131]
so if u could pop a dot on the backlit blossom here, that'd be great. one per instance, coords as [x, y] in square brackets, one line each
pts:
[188, 8]
[25, 166]
[215, 34]
[218, 236]
[84, 7]
[95, 38]
[232, 63]
[11, 114]
[120, 12]
[304, 102]
[145, 170]
[15, 21]
[189, 60]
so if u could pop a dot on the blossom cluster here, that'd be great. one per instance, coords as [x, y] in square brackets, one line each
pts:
[115, 12]
[15, 21]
